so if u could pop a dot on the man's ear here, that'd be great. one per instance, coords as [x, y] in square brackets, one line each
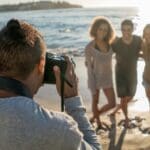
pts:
[41, 64]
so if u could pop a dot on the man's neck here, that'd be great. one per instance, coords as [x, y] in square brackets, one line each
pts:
[4, 94]
[127, 40]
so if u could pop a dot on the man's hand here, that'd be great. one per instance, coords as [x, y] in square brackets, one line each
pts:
[70, 76]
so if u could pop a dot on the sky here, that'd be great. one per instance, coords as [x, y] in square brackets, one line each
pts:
[86, 3]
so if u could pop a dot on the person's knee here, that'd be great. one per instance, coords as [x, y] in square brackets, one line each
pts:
[124, 101]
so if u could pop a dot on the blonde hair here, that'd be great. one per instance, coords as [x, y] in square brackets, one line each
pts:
[97, 21]
[145, 28]
[145, 45]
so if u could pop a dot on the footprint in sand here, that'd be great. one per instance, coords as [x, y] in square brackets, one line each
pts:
[145, 130]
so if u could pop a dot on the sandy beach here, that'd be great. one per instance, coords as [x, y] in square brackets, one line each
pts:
[116, 137]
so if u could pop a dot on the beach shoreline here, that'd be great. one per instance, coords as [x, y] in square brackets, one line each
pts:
[47, 93]
[117, 137]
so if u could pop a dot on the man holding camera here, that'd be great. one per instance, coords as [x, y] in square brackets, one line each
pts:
[24, 125]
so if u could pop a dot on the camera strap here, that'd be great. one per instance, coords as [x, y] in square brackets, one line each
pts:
[15, 86]
[62, 93]
[63, 80]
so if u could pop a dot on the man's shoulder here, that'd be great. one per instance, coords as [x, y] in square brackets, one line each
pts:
[38, 123]
[117, 40]
[116, 43]
[31, 108]
[31, 114]
[137, 38]
[18, 102]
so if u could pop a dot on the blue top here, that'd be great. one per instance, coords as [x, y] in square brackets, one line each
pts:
[24, 125]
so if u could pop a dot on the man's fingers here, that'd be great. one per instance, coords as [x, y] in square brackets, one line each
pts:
[69, 64]
[56, 70]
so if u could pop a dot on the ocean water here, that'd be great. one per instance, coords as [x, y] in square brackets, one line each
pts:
[66, 30]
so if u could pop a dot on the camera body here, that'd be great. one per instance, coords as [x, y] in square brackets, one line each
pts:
[51, 61]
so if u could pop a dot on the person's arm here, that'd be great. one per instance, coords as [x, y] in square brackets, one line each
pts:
[113, 44]
[89, 62]
[74, 108]
[88, 56]
[141, 53]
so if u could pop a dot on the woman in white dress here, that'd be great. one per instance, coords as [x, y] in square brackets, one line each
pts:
[98, 60]
[146, 56]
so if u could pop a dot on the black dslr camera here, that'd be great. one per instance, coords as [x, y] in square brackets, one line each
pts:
[51, 61]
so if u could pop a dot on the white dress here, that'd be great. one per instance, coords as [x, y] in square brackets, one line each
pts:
[99, 68]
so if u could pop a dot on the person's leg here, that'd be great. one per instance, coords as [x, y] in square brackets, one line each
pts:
[124, 107]
[129, 92]
[118, 107]
[109, 93]
[120, 87]
[121, 90]
[131, 84]
[129, 98]
[147, 91]
[95, 100]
